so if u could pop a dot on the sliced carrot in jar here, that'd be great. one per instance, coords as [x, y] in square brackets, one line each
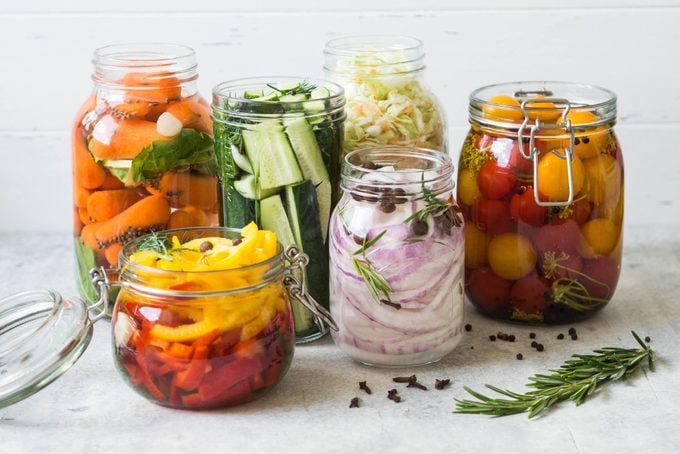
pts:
[131, 137]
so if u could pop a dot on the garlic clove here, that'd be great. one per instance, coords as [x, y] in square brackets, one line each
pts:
[168, 125]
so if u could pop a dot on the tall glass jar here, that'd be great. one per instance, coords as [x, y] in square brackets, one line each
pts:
[541, 187]
[142, 153]
[279, 146]
[388, 102]
[396, 257]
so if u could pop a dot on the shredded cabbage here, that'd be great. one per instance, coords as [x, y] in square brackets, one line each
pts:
[389, 106]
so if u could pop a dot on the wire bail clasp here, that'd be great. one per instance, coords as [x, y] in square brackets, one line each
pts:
[101, 284]
[533, 152]
[298, 261]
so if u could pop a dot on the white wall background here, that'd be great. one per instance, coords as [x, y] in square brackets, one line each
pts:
[629, 46]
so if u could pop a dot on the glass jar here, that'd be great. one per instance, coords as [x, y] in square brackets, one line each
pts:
[182, 339]
[279, 146]
[142, 153]
[541, 187]
[388, 102]
[396, 257]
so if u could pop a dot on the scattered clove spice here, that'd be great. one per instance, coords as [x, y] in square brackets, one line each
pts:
[415, 384]
[354, 403]
[441, 384]
[405, 379]
[364, 386]
[393, 395]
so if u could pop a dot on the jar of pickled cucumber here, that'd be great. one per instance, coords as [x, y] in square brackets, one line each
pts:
[142, 153]
[388, 101]
[541, 187]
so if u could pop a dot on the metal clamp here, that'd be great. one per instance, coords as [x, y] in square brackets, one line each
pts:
[533, 152]
[101, 284]
[298, 261]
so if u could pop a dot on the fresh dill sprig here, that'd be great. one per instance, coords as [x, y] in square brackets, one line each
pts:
[155, 243]
[379, 287]
[434, 206]
[303, 88]
[576, 380]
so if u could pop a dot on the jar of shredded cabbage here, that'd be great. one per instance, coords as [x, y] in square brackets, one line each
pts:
[387, 101]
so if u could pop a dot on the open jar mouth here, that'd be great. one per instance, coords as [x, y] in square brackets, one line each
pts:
[410, 166]
[162, 64]
[139, 277]
[582, 98]
[392, 54]
[229, 98]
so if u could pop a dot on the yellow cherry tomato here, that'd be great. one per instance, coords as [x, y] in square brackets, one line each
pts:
[599, 237]
[476, 246]
[545, 111]
[592, 141]
[603, 178]
[553, 181]
[468, 192]
[511, 256]
[494, 108]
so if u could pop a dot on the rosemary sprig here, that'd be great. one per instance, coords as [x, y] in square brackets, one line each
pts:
[303, 88]
[379, 287]
[576, 380]
[434, 206]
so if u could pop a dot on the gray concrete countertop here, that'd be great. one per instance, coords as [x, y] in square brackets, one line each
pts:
[91, 410]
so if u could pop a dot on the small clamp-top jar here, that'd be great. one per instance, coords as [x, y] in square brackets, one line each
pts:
[388, 102]
[142, 153]
[202, 319]
[279, 147]
[396, 254]
[541, 187]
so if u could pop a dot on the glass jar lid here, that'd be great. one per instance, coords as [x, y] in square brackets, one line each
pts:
[42, 334]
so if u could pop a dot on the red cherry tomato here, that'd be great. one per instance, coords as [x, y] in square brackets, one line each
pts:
[564, 237]
[603, 273]
[492, 216]
[488, 291]
[495, 181]
[528, 294]
[523, 208]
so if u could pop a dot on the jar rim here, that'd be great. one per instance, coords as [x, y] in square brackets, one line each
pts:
[353, 172]
[582, 98]
[380, 44]
[232, 93]
[162, 61]
[271, 268]
[393, 54]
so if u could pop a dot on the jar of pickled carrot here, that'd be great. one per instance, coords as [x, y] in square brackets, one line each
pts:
[202, 319]
[541, 188]
[142, 153]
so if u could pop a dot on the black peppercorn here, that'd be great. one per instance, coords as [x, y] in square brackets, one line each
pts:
[560, 336]
[572, 331]
[648, 339]
[206, 246]
[468, 327]
[520, 356]
[492, 338]
[540, 347]
[511, 338]
[534, 344]
[532, 335]
[419, 227]
[386, 207]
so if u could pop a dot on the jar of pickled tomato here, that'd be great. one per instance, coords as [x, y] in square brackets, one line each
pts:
[541, 188]
[388, 100]
[142, 153]
[396, 257]
[202, 319]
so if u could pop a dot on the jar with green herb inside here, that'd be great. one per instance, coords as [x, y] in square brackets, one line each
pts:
[388, 101]
[142, 153]
[279, 146]
[541, 185]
